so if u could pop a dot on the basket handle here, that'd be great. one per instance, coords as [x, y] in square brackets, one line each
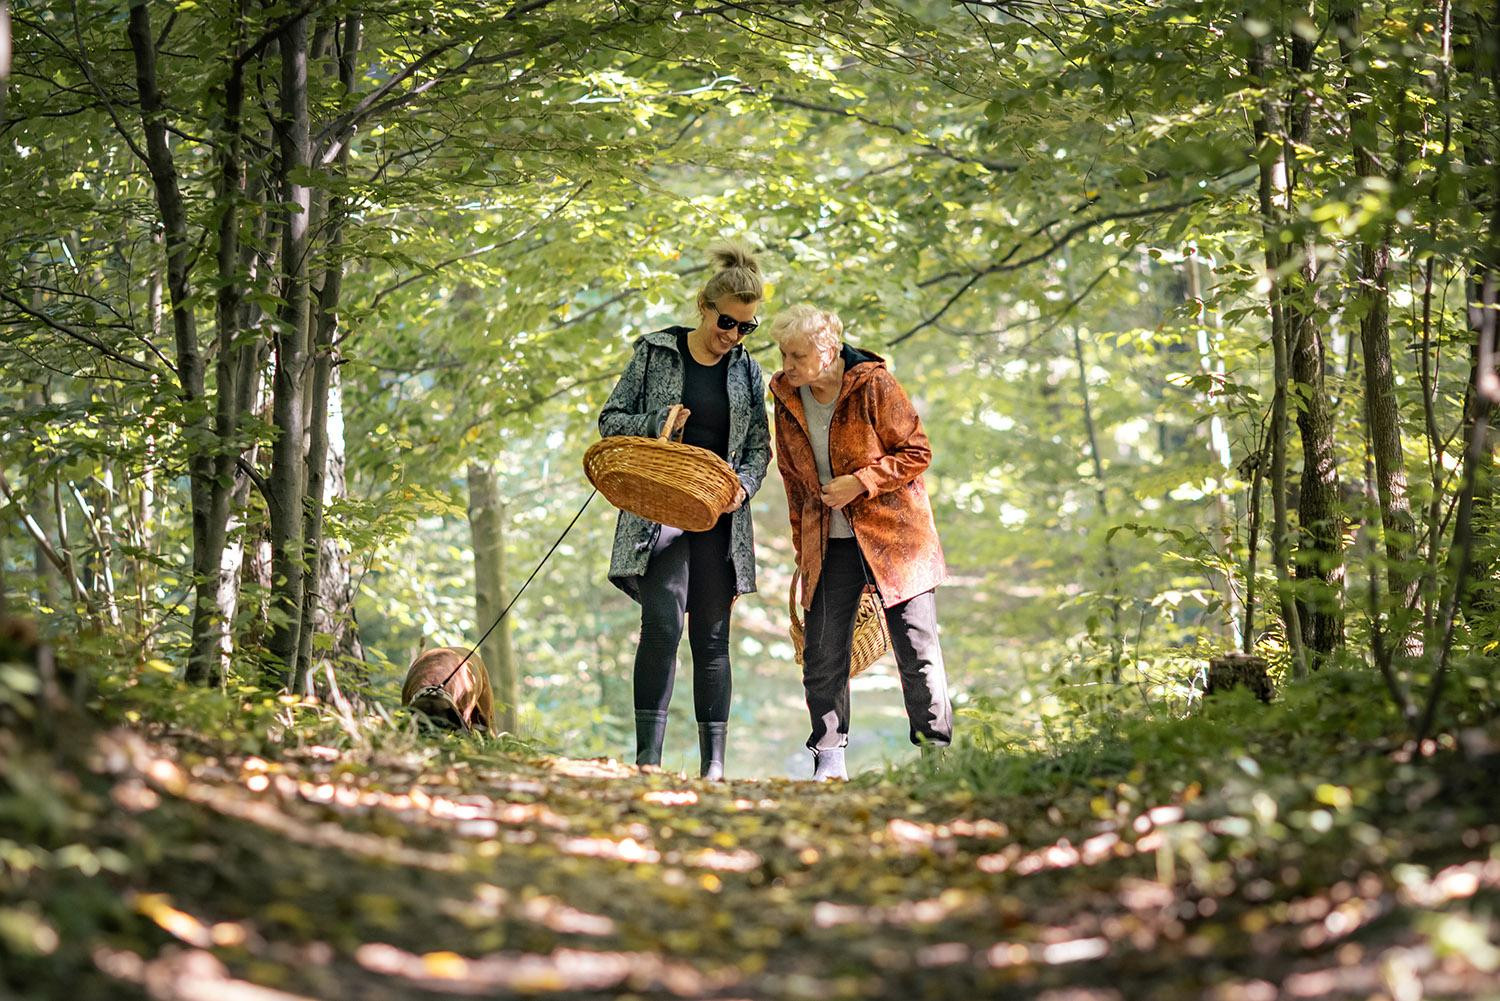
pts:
[666, 427]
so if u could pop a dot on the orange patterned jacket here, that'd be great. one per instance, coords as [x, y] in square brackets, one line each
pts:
[876, 436]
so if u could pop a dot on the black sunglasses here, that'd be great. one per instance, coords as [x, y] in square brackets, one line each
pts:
[747, 327]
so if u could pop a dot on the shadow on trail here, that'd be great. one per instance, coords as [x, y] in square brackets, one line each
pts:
[391, 877]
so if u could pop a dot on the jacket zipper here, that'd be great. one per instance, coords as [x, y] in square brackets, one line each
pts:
[827, 517]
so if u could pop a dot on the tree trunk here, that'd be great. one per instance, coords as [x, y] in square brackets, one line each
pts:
[486, 523]
[1272, 163]
[1319, 563]
[1481, 53]
[326, 334]
[1116, 636]
[49, 581]
[4, 54]
[1484, 392]
[208, 492]
[1397, 524]
[336, 616]
[287, 463]
[1218, 446]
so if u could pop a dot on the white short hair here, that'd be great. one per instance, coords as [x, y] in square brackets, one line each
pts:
[821, 327]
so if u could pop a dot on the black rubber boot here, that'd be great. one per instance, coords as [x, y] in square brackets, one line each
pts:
[711, 738]
[650, 733]
[828, 766]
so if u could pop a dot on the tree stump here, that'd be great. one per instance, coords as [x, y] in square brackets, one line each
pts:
[1235, 669]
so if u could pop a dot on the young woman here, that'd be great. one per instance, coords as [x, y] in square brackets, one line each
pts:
[699, 574]
[851, 451]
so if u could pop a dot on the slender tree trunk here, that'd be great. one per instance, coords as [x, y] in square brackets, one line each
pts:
[287, 488]
[1272, 163]
[208, 491]
[240, 530]
[336, 612]
[1319, 563]
[147, 500]
[1101, 495]
[1484, 318]
[1435, 441]
[1252, 544]
[98, 574]
[486, 522]
[4, 54]
[1218, 445]
[326, 333]
[209, 666]
[1481, 53]
[1381, 413]
[49, 582]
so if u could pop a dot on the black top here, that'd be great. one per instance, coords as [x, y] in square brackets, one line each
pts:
[706, 394]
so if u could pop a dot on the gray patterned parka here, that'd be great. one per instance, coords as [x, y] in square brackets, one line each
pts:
[651, 385]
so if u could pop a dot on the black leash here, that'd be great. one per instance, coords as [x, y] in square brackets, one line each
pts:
[518, 594]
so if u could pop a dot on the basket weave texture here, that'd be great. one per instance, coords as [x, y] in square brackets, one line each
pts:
[872, 638]
[662, 480]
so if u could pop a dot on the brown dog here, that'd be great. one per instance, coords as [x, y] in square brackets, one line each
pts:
[459, 700]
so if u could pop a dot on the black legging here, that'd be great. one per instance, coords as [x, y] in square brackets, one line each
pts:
[692, 574]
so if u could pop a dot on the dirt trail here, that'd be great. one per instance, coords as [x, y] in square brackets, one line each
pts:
[312, 877]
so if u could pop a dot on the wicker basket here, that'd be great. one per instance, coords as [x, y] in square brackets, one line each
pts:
[872, 638]
[662, 480]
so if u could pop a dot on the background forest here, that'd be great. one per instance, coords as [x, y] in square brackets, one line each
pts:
[309, 309]
[305, 307]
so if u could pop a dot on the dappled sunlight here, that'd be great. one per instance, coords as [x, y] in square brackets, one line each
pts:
[623, 850]
[491, 903]
[559, 971]
[158, 907]
[452, 879]
[185, 975]
[591, 768]
[1158, 334]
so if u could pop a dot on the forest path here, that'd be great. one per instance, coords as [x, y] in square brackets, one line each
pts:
[399, 876]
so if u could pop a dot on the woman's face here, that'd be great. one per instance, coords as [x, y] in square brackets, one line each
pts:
[802, 362]
[741, 312]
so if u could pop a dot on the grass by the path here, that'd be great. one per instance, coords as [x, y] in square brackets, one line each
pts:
[1240, 853]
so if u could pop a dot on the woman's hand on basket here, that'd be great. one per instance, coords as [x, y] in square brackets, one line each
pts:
[841, 490]
[739, 500]
[682, 415]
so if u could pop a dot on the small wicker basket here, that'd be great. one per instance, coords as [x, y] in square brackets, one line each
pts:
[662, 480]
[872, 638]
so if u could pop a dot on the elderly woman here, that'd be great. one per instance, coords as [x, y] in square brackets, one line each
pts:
[698, 574]
[851, 451]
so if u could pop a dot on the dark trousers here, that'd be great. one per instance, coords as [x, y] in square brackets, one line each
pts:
[828, 633]
[691, 574]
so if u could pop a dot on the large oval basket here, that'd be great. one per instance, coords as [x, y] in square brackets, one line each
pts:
[872, 638]
[662, 480]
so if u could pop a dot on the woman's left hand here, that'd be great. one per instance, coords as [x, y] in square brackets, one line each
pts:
[841, 490]
[739, 500]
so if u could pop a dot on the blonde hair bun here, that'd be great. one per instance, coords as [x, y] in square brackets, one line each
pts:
[736, 274]
[733, 254]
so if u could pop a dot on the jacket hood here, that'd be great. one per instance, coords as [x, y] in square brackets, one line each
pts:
[859, 365]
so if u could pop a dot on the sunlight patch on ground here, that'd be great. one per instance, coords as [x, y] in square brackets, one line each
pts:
[560, 970]
[192, 975]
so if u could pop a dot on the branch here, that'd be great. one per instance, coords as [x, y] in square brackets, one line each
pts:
[525, 231]
[255, 477]
[1052, 321]
[269, 35]
[44, 545]
[1060, 241]
[79, 335]
[108, 104]
[905, 130]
